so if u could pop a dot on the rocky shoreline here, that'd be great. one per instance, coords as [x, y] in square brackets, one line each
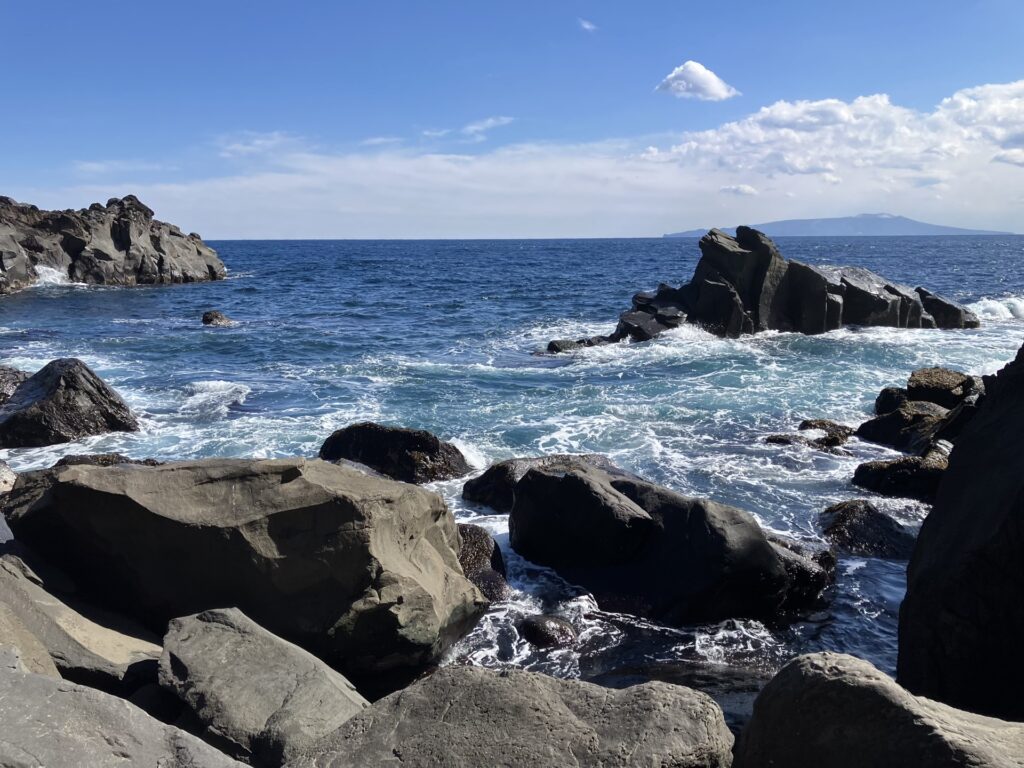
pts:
[297, 612]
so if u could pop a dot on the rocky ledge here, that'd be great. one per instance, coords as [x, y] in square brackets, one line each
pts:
[116, 244]
[743, 285]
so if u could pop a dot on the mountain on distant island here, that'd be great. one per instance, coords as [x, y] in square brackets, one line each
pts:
[863, 225]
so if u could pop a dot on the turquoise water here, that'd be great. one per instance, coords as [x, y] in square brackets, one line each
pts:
[445, 336]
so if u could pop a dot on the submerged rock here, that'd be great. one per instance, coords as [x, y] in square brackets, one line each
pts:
[645, 550]
[117, 244]
[64, 401]
[409, 455]
[259, 698]
[830, 710]
[58, 724]
[963, 616]
[466, 717]
[482, 562]
[743, 285]
[360, 570]
[858, 527]
[547, 631]
[216, 317]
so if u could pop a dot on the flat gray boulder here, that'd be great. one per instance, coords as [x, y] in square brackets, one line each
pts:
[831, 710]
[467, 717]
[116, 244]
[64, 401]
[260, 698]
[57, 724]
[360, 570]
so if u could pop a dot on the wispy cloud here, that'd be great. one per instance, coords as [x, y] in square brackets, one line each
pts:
[692, 80]
[587, 26]
[380, 141]
[744, 190]
[104, 167]
[477, 130]
[436, 133]
[251, 143]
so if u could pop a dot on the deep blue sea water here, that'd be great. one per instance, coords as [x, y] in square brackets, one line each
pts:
[445, 336]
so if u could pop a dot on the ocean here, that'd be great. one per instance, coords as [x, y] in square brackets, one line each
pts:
[448, 335]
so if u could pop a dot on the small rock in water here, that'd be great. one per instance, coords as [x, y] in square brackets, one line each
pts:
[548, 631]
[215, 317]
[482, 562]
[858, 527]
[911, 477]
[409, 455]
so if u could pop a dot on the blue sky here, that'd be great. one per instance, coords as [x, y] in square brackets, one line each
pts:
[470, 119]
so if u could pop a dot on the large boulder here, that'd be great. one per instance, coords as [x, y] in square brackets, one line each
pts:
[858, 527]
[643, 549]
[88, 645]
[64, 401]
[58, 724]
[409, 455]
[496, 487]
[743, 285]
[963, 616]
[942, 386]
[911, 427]
[907, 477]
[362, 571]
[830, 710]
[259, 698]
[116, 244]
[465, 717]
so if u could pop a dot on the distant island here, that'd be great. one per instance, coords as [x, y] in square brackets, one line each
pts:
[863, 225]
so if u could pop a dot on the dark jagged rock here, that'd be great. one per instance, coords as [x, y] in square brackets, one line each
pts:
[910, 477]
[409, 455]
[64, 401]
[889, 400]
[942, 386]
[835, 434]
[481, 561]
[819, 444]
[215, 317]
[963, 617]
[58, 724]
[743, 285]
[495, 488]
[643, 549]
[10, 380]
[912, 427]
[547, 631]
[259, 698]
[959, 418]
[359, 570]
[117, 244]
[103, 460]
[830, 710]
[858, 527]
[810, 572]
[467, 717]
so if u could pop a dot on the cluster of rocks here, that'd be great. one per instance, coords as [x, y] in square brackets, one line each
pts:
[743, 285]
[119, 243]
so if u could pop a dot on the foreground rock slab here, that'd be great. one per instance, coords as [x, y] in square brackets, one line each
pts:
[260, 698]
[362, 571]
[963, 616]
[466, 717]
[409, 455]
[836, 711]
[116, 244]
[58, 724]
[64, 401]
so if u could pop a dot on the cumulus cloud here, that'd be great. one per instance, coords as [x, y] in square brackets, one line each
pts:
[587, 26]
[738, 189]
[692, 80]
[959, 163]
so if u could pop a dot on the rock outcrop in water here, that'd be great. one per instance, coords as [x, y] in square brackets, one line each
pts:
[743, 285]
[62, 402]
[830, 710]
[409, 455]
[116, 244]
[465, 717]
[963, 616]
[858, 527]
[360, 570]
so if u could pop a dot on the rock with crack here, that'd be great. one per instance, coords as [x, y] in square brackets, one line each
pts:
[834, 710]
[260, 698]
[360, 570]
[466, 717]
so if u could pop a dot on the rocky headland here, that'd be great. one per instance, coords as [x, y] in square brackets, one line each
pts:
[120, 243]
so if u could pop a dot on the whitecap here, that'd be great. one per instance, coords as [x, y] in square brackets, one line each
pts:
[1006, 308]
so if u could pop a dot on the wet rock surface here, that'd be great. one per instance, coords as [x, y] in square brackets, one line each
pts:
[409, 455]
[859, 528]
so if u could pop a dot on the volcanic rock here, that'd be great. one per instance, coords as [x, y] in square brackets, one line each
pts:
[482, 562]
[547, 631]
[911, 427]
[409, 455]
[858, 527]
[911, 477]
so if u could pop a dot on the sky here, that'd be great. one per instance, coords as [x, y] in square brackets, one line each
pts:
[566, 118]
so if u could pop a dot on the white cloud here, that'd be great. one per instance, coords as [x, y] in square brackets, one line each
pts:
[250, 143]
[738, 189]
[692, 80]
[804, 158]
[380, 141]
[477, 130]
[103, 167]
[436, 133]
[587, 26]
